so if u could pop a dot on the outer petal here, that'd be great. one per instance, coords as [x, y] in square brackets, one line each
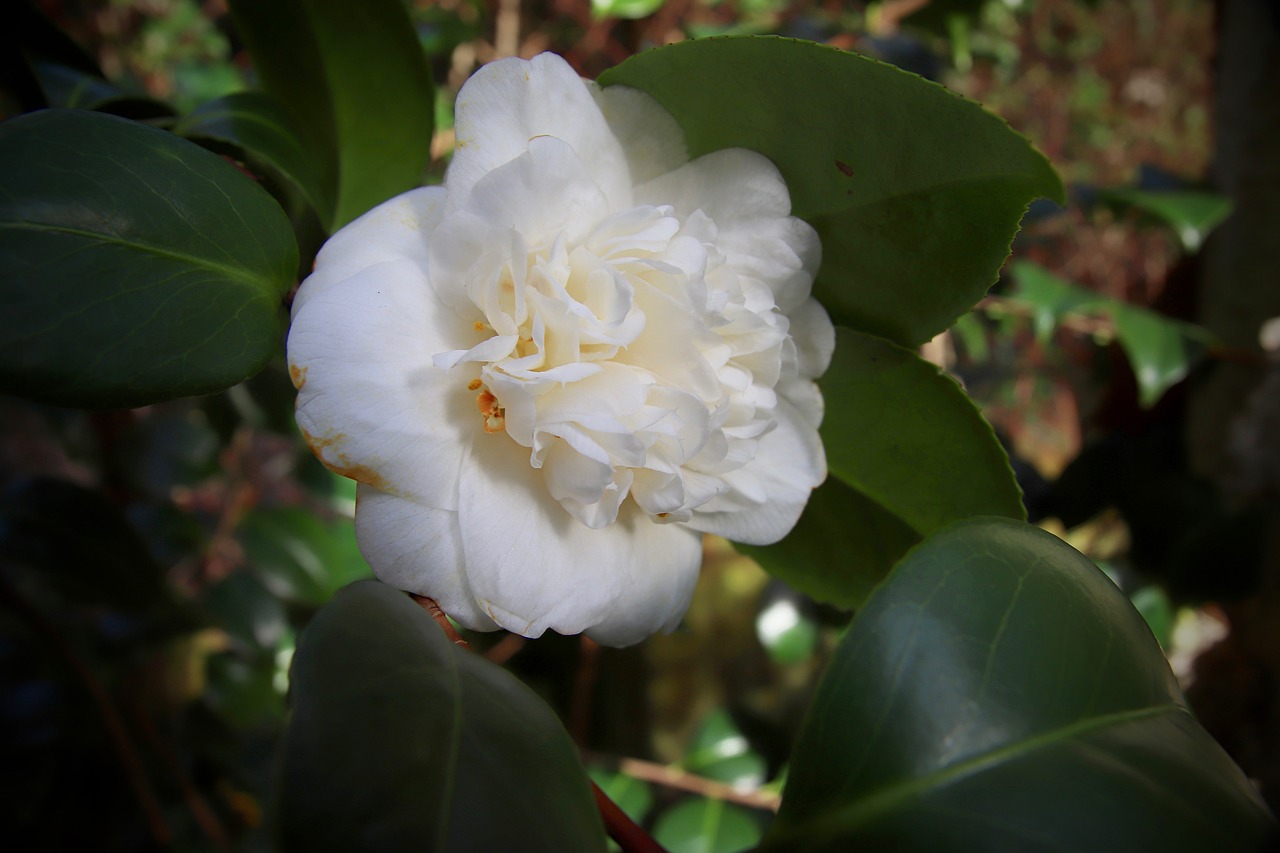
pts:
[370, 403]
[417, 548]
[768, 493]
[650, 136]
[532, 566]
[509, 102]
[398, 229]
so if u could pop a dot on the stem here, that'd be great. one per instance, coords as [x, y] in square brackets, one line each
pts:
[622, 829]
[429, 605]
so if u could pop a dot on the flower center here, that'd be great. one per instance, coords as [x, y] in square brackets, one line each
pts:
[633, 363]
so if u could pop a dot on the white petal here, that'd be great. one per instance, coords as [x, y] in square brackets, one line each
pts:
[507, 103]
[815, 338]
[398, 229]
[650, 136]
[419, 549]
[534, 567]
[729, 185]
[370, 403]
[769, 492]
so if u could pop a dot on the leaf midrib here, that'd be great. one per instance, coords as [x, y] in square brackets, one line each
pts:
[867, 809]
[242, 274]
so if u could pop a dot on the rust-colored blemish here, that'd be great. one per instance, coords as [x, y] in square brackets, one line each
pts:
[845, 168]
[495, 417]
[298, 374]
[326, 449]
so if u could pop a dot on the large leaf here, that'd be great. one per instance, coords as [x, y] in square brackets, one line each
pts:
[843, 545]
[256, 125]
[908, 452]
[358, 84]
[915, 192]
[705, 825]
[136, 267]
[906, 436]
[400, 740]
[999, 693]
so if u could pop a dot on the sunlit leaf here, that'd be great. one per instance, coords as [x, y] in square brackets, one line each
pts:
[1162, 350]
[299, 557]
[719, 751]
[1049, 297]
[1191, 214]
[787, 634]
[137, 267]
[625, 9]
[358, 85]
[915, 192]
[703, 825]
[400, 740]
[627, 792]
[997, 693]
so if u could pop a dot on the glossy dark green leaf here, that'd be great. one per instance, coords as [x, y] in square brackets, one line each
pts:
[264, 131]
[704, 825]
[907, 437]
[1190, 213]
[999, 693]
[916, 192]
[358, 84]
[299, 557]
[843, 545]
[71, 88]
[137, 267]
[400, 740]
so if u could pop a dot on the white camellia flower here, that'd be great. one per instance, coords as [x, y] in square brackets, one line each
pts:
[553, 373]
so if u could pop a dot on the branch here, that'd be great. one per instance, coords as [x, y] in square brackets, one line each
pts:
[674, 777]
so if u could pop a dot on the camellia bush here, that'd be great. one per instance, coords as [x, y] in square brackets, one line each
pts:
[682, 299]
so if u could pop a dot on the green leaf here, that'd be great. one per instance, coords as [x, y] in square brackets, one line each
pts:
[998, 692]
[1049, 297]
[787, 634]
[400, 740]
[256, 125]
[359, 86]
[906, 436]
[299, 557]
[1191, 214]
[720, 752]
[843, 545]
[627, 9]
[628, 793]
[243, 607]
[703, 825]
[916, 192]
[1161, 350]
[137, 267]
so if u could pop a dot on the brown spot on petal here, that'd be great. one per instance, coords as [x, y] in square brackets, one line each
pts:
[845, 169]
[298, 374]
[327, 450]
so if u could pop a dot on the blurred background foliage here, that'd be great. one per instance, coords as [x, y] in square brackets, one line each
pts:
[144, 649]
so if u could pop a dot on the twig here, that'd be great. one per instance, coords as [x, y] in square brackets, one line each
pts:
[583, 681]
[429, 605]
[674, 777]
[116, 731]
[505, 649]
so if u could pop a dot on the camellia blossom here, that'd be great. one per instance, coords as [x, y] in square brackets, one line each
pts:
[553, 373]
